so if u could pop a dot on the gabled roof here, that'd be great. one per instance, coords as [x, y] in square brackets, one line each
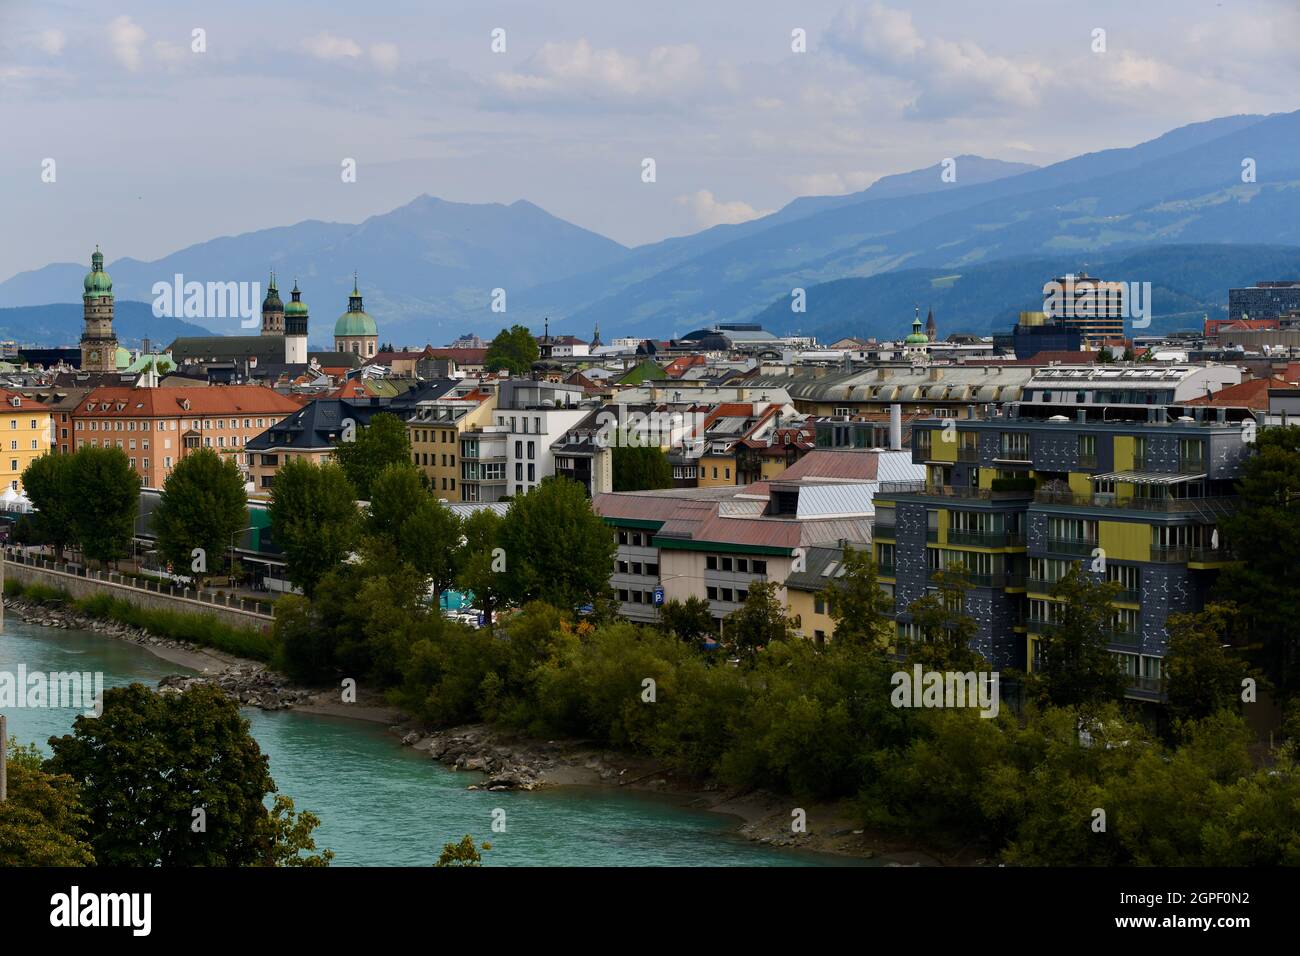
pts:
[211, 400]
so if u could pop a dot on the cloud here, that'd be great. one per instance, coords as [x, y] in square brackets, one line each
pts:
[832, 184]
[325, 46]
[126, 37]
[708, 211]
[948, 77]
[569, 72]
[51, 42]
[385, 56]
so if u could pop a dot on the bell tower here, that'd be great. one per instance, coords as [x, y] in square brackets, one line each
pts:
[98, 343]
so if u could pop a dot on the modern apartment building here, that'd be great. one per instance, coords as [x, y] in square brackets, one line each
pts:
[512, 450]
[1132, 493]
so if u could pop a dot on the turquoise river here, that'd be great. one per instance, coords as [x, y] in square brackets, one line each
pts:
[384, 804]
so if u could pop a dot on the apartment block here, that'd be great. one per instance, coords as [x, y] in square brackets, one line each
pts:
[1133, 494]
[24, 434]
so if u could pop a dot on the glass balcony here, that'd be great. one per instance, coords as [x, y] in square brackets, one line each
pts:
[987, 539]
[1076, 546]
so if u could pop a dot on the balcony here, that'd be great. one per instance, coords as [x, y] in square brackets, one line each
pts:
[972, 494]
[889, 530]
[1075, 546]
[1182, 554]
[1145, 688]
[975, 580]
[970, 456]
[1223, 504]
[1040, 585]
[1191, 466]
[886, 570]
[1087, 461]
[1122, 638]
[932, 535]
[987, 539]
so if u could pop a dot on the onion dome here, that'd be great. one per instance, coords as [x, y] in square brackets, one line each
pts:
[98, 282]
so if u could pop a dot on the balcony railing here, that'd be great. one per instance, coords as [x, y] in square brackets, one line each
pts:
[889, 530]
[1181, 554]
[1077, 546]
[968, 455]
[886, 570]
[932, 535]
[1221, 504]
[974, 494]
[987, 539]
[1040, 585]
[1146, 686]
[1124, 638]
[1191, 466]
[1087, 461]
[974, 579]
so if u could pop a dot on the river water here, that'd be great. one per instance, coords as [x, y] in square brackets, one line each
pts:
[382, 804]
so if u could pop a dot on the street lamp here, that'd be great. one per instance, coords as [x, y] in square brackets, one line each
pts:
[233, 536]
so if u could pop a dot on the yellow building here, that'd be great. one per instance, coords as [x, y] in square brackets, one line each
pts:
[435, 431]
[25, 433]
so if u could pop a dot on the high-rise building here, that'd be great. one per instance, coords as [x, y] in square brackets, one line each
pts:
[98, 343]
[1093, 306]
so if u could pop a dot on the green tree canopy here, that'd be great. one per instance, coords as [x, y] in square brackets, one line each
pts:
[691, 620]
[43, 822]
[758, 623]
[557, 549]
[1264, 538]
[1204, 676]
[946, 630]
[151, 761]
[862, 612]
[464, 853]
[106, 503]
[640, 468]
[373, 448]
[314, 519]
[50, 483]
[1074, 667]
[513, 350]
[477, 562]
[203, 506]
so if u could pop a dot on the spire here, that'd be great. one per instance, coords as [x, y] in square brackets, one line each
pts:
[354, 300]
[271, 287]
[354, 284]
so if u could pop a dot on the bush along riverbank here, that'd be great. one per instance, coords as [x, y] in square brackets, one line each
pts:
[193, 629]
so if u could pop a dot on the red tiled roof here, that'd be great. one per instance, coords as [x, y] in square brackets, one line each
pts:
[843, 465]
[1249, 394]
[167, 402]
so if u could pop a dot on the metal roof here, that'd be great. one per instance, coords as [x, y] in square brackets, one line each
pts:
[1148, 477]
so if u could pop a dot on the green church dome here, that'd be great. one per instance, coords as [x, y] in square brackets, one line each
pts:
[355, 323]
[295, 306]
[97, 281]
[917, 338]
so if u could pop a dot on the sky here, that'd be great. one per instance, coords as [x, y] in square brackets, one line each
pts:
[160, 137]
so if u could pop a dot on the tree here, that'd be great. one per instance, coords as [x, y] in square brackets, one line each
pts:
[1264, 582]
[477, 561]
[373, 448]
[314, 519]
[50, 484]
[513, 349]
[287, 837]
[106, 502]
[640, 467]
[43, 822]
[203, 506]
[1074, 667]
[759, 622]
[946, 630]
[691, 620]
[421, 530]
[1204, 676]
[556, 548]
[861, 610]
[464, 853]
[170, 779]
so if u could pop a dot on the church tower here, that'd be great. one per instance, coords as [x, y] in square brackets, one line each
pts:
[272, 310]
[295, 328]
[931, 330]
[98, 343]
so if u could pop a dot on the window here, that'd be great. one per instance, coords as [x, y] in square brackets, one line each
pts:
[711, 562]
[726, 564]
[1015, 446]
[759, 567]
[726, 594]
[712, 593]
[742, 565]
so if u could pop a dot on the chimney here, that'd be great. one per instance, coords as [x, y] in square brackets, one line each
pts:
[896, 427]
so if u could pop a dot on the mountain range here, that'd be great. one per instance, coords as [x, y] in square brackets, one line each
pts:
[1178, 211]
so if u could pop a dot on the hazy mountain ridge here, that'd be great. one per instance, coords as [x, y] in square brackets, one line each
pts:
[428, 268]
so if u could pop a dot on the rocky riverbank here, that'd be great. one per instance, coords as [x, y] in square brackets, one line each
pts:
[504, 760]
[510, 761]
